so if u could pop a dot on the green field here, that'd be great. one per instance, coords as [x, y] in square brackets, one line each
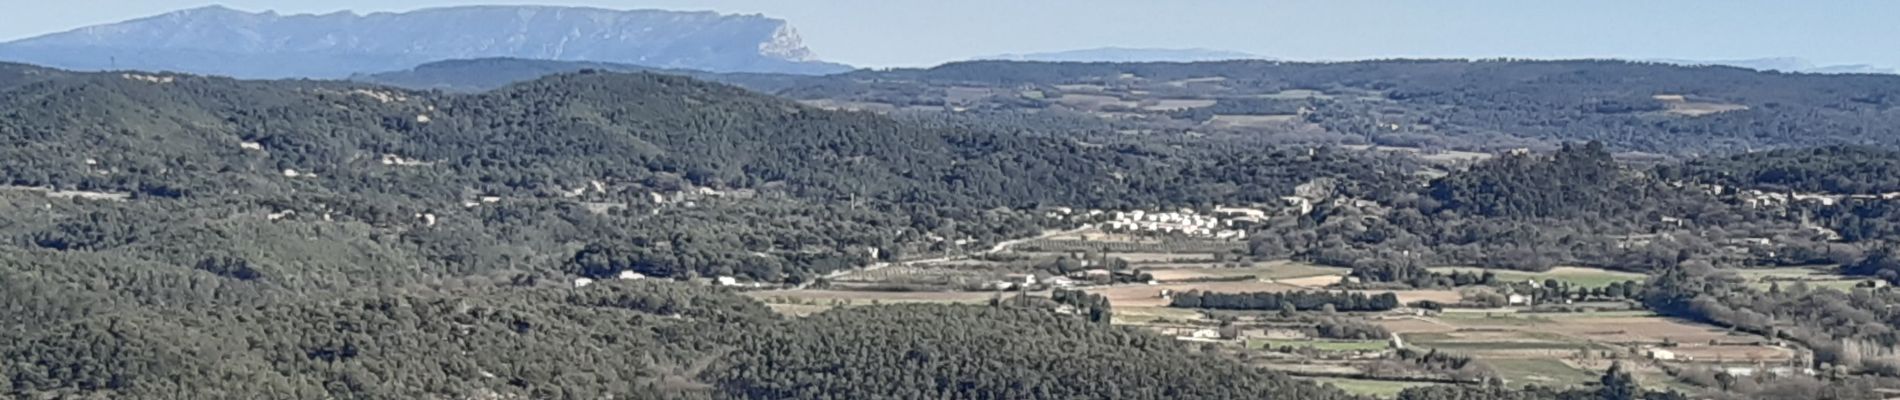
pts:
[1462, 318]
[1383, 389]
[1518, 341]
[1324, 345]
[1495, 318]
[1543, 372]
[1577, 276]
[1814, 277]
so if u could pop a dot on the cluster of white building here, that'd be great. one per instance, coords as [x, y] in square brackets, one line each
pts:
[1185, 222]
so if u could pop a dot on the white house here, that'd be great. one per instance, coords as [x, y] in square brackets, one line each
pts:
[1061, 282]
[582, 282]
[1662, 355]
[631, 276]
[1520, 299]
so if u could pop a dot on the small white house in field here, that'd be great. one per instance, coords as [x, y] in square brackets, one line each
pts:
[631, 276]
[1662, 355]
[727, 281]
[1205, 334]
[582, 282]
[1520, 299]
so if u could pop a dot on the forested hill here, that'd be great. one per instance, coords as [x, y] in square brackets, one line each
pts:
[167, 236]
[1834, 170]
[697, 178]
[479, 75]
[177, 133]
[12, 75]
[1481, 104]
[613, 340]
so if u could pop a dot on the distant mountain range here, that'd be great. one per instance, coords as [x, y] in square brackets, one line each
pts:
[1121, 54]
[223, 41]
[1787, 64]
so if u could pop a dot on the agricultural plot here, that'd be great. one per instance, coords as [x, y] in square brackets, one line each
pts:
[837, 105]
[1297, 94]
[1250, 121]
[1168, 246]
[1439, 156]
[1094, 102]
[1682, 105]
[1151, 315]
[1322, 345]
[847, 297]
[1308, 275]
[1175, 104]
[942, 276]
[1543, 372]
[1374, 388]
[1813, 277]
[1150, 295]
[1577, 276]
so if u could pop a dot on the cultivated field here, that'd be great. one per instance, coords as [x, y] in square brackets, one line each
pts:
[1323, 345]
[1507, 335]
[1250, 121]
[1813, 277]
[1578, 276]
[1150, 295]
[1381, 389]
[846, 297]
[1175, 104]
[1287, 272]
[1440, 156]
[1682, 105]
[1544, 372]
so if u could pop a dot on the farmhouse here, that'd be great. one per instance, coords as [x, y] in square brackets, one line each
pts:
[1662, 355]
[1521, 299]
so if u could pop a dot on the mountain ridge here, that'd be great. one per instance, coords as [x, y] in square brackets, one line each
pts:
[219, 40]
[1128, 54]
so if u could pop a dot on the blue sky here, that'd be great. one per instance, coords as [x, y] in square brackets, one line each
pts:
[882, 33]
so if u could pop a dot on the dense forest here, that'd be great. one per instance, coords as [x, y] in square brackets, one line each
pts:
[1852, 170]
[1462, 104]
[640, 339]
[566, 172]
[1482, 103]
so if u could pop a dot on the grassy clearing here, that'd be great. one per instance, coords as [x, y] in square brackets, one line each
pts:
[1149, 315]
[1381, 389]
[1577, 276]
[1544, 372]
[1323, 345]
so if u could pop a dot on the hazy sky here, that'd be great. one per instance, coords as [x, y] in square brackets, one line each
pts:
[924, 32]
